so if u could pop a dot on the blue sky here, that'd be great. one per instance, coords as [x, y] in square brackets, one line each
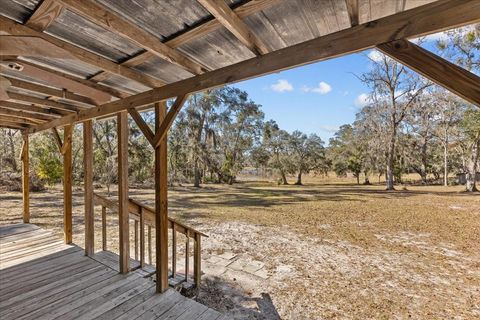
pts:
[296, 100]
[317, 98]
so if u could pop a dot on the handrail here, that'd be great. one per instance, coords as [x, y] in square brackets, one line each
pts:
[144, 215]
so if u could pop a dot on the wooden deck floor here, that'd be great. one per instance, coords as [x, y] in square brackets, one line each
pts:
[42, 278]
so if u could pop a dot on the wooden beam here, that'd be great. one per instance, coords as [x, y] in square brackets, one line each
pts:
[352, 8]
[11, 27]
[230, 20]
[17, 120]
[97, 92]
[245, 10]
[202, 29]
[23, 114]
[9, 125]
[88, 187]
[123, 214]
[62, 108]
[161, 202]
[167, 122]
[51, 113]
[444, 73]
[67, 183]
[45, 13]
[436, 16]
[25, 179]
[147, 132]
[49, 91]
[108, 20]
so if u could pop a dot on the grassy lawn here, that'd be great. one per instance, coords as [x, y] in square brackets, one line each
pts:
[332, 249]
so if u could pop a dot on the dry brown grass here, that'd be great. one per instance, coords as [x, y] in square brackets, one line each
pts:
[333, 249]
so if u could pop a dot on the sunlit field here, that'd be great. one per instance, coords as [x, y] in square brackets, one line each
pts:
[329, 248]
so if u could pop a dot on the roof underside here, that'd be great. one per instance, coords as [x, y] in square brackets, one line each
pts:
[279, 24]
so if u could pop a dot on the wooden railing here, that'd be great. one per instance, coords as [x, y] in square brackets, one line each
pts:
[145, 216]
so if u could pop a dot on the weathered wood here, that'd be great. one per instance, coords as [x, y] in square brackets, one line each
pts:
[142, 238]
[124, 246]
[187, 257]
[95, 91]
[49, 91]
[62, 108]
[88, 187]
[104, 228]
[147, 132]
[161, 133]
[15, 126]
[22, 114]
[430, 18]
[136, 238]
[25, 179]
[452, 77]
[149, 231]
[197, 264]
[174, 250]
[230, 20]
[10, 27]
[142, 38]
[67, 182]
[50, 113]
[352, 8]
[44, 15]
[161, 202]
[16, 120]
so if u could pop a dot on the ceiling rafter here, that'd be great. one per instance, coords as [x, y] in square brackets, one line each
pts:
[51, 113]
[203, 29]
[4, 118]
[45, 13]
[14, 28]
[49, 91]
[61, 107]
[230, 20]
[112, 22]
[98, 92]
[23, 114]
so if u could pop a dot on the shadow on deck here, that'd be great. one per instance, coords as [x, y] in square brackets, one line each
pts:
[42, 278]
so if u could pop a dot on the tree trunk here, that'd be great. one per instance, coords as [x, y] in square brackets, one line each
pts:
[472, 167]
[299, 179]
[284, 177]
[445, 163]
[390, 157]
[196, 182]
[358, 178]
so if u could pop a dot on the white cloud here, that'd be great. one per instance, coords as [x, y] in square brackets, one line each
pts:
[362, 100]
[329, 128]
[375, 55]
[281, 85]
[322, 88]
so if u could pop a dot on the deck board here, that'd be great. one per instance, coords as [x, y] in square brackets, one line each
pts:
[42, 278]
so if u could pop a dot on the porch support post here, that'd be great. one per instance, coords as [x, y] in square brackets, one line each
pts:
[67, 183]
[25, 180]
[122, 133]
[161, 202]
[88, 186]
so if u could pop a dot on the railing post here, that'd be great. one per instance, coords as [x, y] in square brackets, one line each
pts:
[25, 180]
[142, 238]
[104, 228]
[197, 267]
[187, 257]
[136, 240]
[150, 245]
[174, 250]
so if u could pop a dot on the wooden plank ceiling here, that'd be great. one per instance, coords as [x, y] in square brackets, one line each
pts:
[65, 56]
